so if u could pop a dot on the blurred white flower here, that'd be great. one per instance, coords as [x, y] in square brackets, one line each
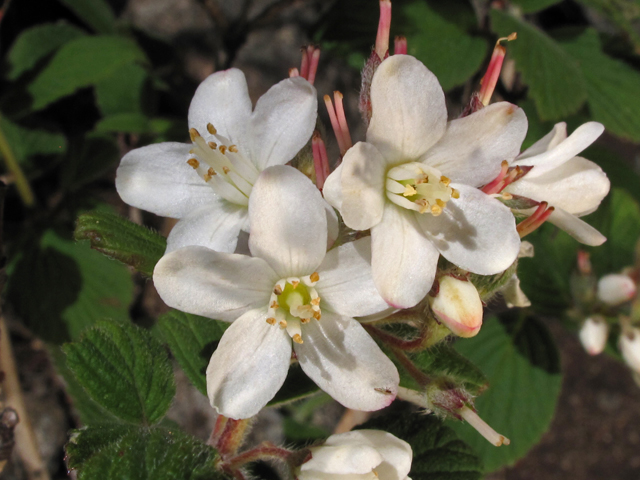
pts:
[629, 344]
[616, 288]
[291, 289]
[359, 455]
[207, 183]
[414, 183]
[593, 334]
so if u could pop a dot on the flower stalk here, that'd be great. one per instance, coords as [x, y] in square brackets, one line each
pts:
[22, 184]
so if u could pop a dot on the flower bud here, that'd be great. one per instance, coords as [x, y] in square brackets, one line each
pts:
[593, 335]
[358, 454]
[458, 306]
[615, 288]
[630, 348]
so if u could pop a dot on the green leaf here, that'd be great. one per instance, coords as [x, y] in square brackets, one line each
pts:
[115, 452]
[124, 122]
[296, 386]
[532, 6]
[523, 366]
[618, 219]
[555, 80]
[438, 453]
[36, 43]
[612, 85]
[437, 35]
[623, 13]
[26, 143]
[619, 172]
[125, 370]
[89, 158]
[443, 361]
[192, 340]
[121, 239]
[545, 277]
[59, 288]
[122, 91]
[80, 63]
[95, 13]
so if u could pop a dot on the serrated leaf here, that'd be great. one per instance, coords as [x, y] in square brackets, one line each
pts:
[619, 172]
[443, 361]
[122, 91]
[522, 364]
[95, 13]
[532, 6]
[124, 122]
[27, 142]
[89, 158]
[612, 85]
[438, 453]
[114, 452]
[125, 370]
[192, 340]
[545, 277]
[555, 81]
[80, 63]
[121, 239]
[618, 219]
[93, 288]
[36, 43]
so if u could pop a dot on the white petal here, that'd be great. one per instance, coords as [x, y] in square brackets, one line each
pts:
[333, 225]
[409, 114]
[343, 459]
[332, 189]
[222, 99]
[316, 475]
[249, 366]
[282, 122]
[288, 221]
[215, 285]
[581, 138]
[346, 282]
[215, 226]
[630, 348]
[158, 179]
[341, 357]
[473, 147]
[513, 294]
[475, 232]
[593, 334]
[549, 141]
[578, 229]
[616, 288]
[397, 453]
[578, 186]
[403, 259]
[363, 186]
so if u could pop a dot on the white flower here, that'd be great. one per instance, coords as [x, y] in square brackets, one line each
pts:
[359, 455]
[458, 305]
[616, 288]
[593, 334]
[290, 289]
[207, 184]
[630, 348]
[573, 185]
[413, 183]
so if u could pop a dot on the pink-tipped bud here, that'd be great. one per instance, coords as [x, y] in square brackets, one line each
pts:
[400, 45]
[458, 306]
[630, 348]
[593, 334]
[384, 27]
[615, 288]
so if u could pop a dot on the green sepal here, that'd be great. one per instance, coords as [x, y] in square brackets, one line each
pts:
[125, 370]
[121, 239]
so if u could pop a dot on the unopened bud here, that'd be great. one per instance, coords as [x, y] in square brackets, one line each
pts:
[593, 334]
[458, 306]
[630, 348]
[615, 289]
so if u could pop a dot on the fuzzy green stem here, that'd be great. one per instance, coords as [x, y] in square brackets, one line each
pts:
[12, 165]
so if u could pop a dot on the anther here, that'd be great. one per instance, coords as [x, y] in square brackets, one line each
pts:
[225, 169]
[455, 193]
[295, 283]
[409, 191]
[315, 301]
[314, 277]
[317, 315]
[305, 320]
[446, 181]
[297, 338]
[274, 305]
[233, 148]
[211, 129]
[193, 133]
[271, 321]
[436, 210]
[283, 324]
[440, 203]
[193, 162]
[213, 145]
[222, 149]
[277, 290]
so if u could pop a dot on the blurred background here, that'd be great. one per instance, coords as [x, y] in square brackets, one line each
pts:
[84, 81]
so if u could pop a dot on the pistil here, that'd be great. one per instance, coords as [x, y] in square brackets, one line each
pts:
[418, 187]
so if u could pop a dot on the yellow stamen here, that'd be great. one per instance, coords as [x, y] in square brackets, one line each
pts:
[211, 129]
[193, 133]
[455, 193]
[315, 301]
[409, 191]
[317, 315]
[225, 169]
[440, 203]
[295, 283]
[271, 321]
[283, 324]
[297, 338]
[277, 290]
[274, 305]
[213, 145]
[233, 148]
[446, 181]
[314, 277]
[193, 162]
[436, 210]
[222, 149]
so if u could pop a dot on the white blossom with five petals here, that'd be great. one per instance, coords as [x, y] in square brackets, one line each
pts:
[414, 183]
[207, 184]
[573, 185]
[359, 455]
[291, 289]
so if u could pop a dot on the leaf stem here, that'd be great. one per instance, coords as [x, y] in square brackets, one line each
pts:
[12, 165]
